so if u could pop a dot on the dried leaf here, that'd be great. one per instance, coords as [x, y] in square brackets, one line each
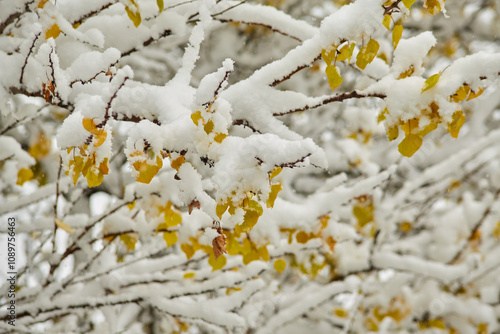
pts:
[177, 163]
[194, 204]
[219, 244]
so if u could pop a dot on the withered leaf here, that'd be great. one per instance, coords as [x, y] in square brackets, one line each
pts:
[219, 244]
[194, 204]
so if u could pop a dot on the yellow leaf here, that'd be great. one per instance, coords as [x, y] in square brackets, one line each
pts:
[134, 14]
[410, 144]
[340, 312]
[218, 263]
[177, 163]
[302, 237]
[397, 32]
[433, 6]
[408, 3]
[329, 56]
[364, 214]
[392, 132]
[430, 127]
[437, 323]
[104, 166]
[160, 5]
[231, 290]
[275, 189]
[63, 226]
[461, 94]
[279, 265]
[188, 275]
[405, 226]
[331, 242]
[334, 78]
[482, 328]
[275, 172]
[100, 138]
[249, 220]
[387, 21]
[90, 126]
[381, 117]
[170, 238]
[263, 253]
[431, 81]
[172, 218]
[410, 125]
[129, 240]
[209, 127]
[407, 73]
[219, 137]
[371, 325]
[94, 179]
[188, 250]
[42, 3]
[344, 53]
[53, 31]
[146, 171]
[253, 255]
[496, 231]
[130, 206]
[41, 147]
[367, 53]
[456, 123]
[220, 209]
[196, 117]
[473, 95]
[24, 174]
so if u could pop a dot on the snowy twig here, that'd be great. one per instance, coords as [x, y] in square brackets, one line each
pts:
[27, 57]
[337, 98]
[92, 13]
[288, 76]
[268, 26]
[165, 33]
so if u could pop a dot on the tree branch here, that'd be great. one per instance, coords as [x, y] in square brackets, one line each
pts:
[337, 98]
